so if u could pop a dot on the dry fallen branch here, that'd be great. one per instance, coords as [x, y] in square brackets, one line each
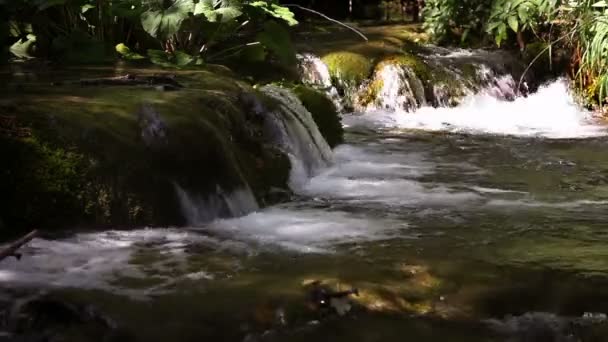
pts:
[11, 249]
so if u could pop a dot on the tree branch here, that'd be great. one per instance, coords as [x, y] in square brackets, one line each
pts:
[11, 249]
[330, 19]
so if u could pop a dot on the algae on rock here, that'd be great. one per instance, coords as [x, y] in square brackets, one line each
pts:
[112, 155]
[324, 113]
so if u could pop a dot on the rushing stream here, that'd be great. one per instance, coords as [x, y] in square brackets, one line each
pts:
[444, 219]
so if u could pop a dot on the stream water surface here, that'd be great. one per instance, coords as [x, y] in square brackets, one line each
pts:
[484, 222]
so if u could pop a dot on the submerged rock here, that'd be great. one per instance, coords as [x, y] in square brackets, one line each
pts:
[48, 318]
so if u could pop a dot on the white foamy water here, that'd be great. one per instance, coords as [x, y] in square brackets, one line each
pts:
[96, 260]
[549, 113]
[390, 178]
[306, 230]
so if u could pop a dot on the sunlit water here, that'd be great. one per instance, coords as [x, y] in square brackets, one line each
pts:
[467, 214]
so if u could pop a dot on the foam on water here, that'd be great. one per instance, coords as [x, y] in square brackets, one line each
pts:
[94, 260]
[549, 113]
[306, 230]
[388, 178]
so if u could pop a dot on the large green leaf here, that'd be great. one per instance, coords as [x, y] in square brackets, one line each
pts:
[218, 11]
[275, 38]
[513, 23]
[23, 48]
[163, 23]
[279, 12]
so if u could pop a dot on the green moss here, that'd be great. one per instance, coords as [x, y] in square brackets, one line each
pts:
[348, 67]
[87, 160]
[323, 112]
[420, 68]
[370, 94]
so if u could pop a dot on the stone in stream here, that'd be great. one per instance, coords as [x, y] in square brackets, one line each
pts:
[322, 299]
[47, 318]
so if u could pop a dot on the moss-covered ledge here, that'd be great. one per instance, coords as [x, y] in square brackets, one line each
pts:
[111, 156]
[324, 113]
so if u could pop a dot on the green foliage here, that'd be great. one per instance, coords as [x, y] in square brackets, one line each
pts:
[448, 20]
[578, 26]
[518, 16]
[276, 11]
[276, 40]
[162, 22]
[178, 59]
[218, 11]
[189, 32]
[127, 54]
[25, 47]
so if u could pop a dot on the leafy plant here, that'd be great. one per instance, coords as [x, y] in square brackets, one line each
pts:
[454, 20]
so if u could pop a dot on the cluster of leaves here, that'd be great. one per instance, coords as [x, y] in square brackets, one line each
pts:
[189, 29]
[519, 16]
[448, 20]
[190, 32]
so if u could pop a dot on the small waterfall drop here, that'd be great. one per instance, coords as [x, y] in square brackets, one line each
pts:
[550, 113]
[204, 209]
[315, 73]
[296, 132]
[398, 89]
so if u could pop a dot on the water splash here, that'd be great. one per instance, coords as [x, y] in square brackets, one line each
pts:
[400, 89]
[101, 260]
[549, 113]
[314, 72]
[304, 230]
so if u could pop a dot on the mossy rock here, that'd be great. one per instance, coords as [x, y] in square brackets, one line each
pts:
[422, 71]
[111, 156]
[324, 113]
[348, 67]
[415, 63]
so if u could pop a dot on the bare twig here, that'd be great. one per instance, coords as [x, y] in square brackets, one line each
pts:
[330, 19]
[11, 249]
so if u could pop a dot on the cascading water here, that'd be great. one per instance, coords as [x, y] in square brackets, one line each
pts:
[400, 89]
[315, 73]
[293, 128]
[551, 113]
[399, 210]
[201, 210]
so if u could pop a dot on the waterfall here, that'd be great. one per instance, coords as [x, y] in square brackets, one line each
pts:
[315, 73]
[293, 128]
[550, 113]
[398, 89]
[204, 209]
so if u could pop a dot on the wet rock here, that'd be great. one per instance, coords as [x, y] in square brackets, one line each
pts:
[548, 327]
[46, 318]
[153, 128]
[324, 300]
